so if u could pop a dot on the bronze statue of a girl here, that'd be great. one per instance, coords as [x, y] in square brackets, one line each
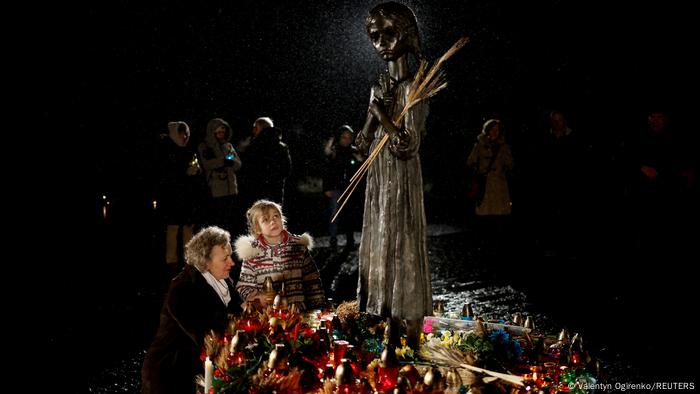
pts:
[394, 277]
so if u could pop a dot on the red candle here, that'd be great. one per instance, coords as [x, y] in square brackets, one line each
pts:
[339, 348]
[238, 358]
[386, 378]
[345, 389]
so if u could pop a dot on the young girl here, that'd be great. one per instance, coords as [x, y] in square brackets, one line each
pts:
[270, 250]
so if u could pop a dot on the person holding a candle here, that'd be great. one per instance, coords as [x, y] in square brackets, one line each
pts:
[177, 191]
[198, 301]
[271, 251]
[221, 164]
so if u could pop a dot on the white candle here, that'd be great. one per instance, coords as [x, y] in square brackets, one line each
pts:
[208, 375]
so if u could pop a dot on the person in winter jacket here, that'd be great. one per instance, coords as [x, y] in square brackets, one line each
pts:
[269, 250]
[268, 164]
[221, 162]
[342, 161]
[198, 301]
[178, 185]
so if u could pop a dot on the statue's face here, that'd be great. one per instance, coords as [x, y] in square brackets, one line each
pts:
[386, 38]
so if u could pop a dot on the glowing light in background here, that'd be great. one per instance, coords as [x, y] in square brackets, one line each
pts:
[105, 205]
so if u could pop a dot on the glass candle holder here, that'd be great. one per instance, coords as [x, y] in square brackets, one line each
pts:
[339, 348]
[386, 378]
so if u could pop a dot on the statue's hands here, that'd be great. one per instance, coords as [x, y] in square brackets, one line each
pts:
[376, 107]
[400, 139]
[388, 100]
[385, 93]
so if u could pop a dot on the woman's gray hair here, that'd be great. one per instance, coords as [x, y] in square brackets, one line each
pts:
[198, 249]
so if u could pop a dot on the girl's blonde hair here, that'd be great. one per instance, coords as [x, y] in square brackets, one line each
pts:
[258, 209]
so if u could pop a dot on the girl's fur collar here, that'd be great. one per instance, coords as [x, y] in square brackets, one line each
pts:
[248, 246]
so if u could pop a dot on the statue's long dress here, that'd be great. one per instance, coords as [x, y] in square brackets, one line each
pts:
[394, 277]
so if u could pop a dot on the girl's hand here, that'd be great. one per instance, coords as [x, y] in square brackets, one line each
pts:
[257, 298]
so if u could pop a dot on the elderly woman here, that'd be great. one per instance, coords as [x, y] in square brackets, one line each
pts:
[198, 301]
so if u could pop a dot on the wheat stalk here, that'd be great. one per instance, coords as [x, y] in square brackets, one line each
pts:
[423, 87]
[454, 358]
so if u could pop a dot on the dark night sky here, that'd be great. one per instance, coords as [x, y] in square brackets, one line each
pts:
[129, 67]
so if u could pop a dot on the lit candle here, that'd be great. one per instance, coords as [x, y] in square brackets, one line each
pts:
[208, 375]
[239, 358]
